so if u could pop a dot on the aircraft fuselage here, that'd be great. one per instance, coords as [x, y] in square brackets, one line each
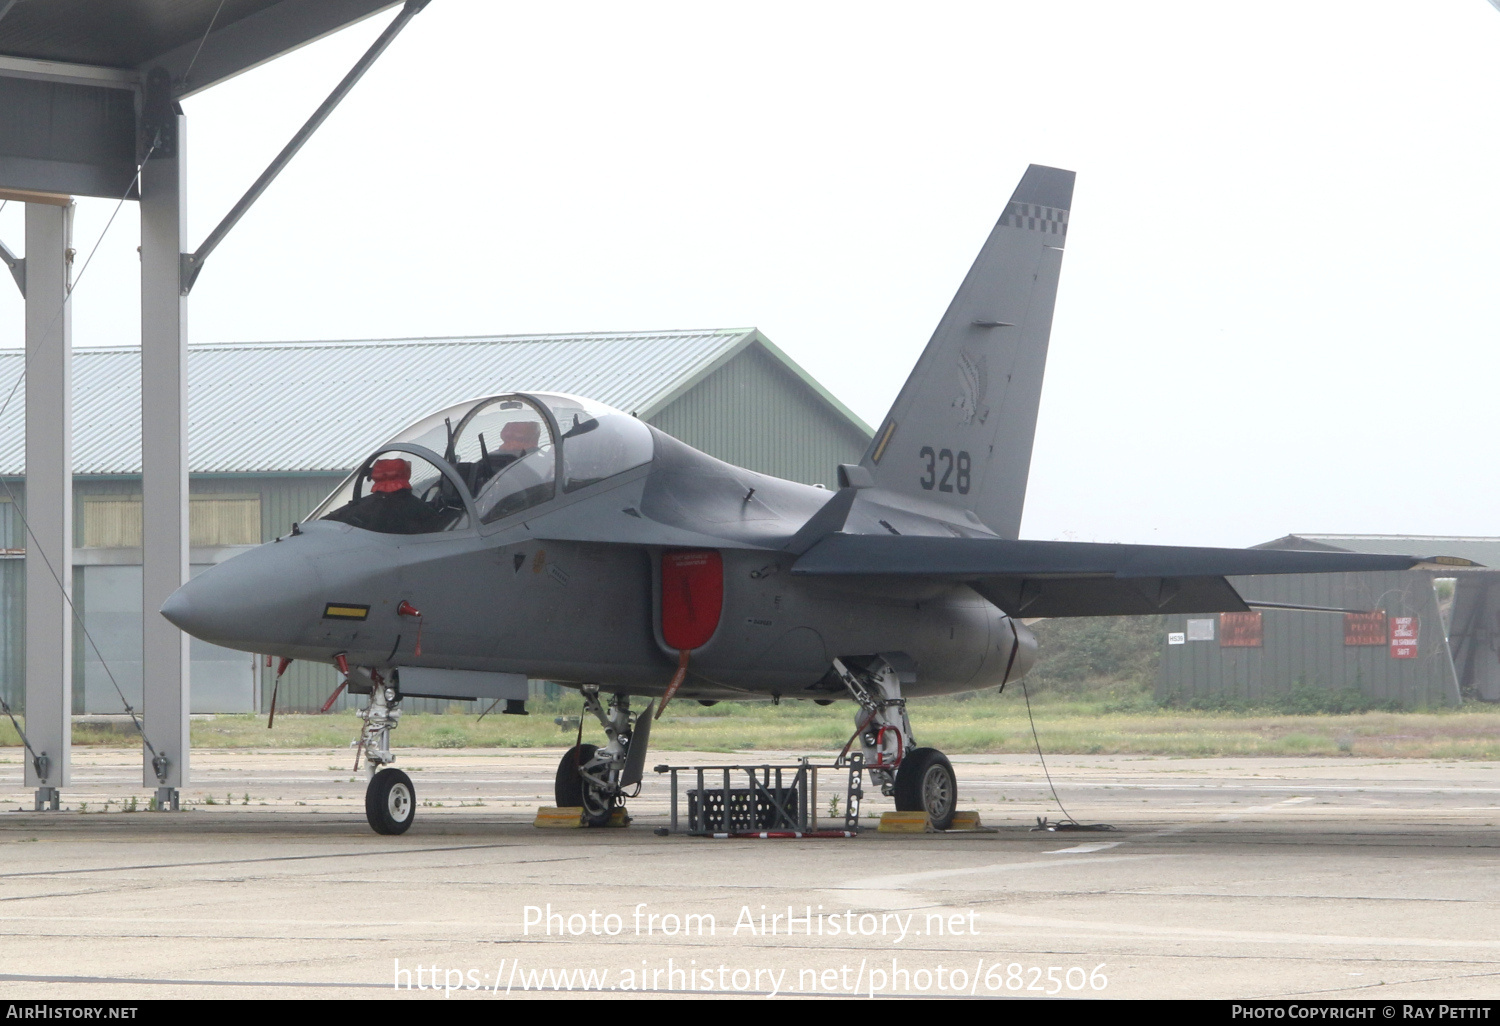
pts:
[546, 596]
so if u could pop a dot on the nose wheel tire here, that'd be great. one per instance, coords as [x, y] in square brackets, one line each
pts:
[925, 783]
[573, 791]
[390, 802]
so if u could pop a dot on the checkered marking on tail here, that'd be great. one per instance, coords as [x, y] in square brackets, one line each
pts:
[1036, 218]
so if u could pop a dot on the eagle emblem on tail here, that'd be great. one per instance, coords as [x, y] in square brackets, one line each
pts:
[973, 383]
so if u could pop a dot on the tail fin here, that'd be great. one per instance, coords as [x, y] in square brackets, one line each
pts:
[961, 430]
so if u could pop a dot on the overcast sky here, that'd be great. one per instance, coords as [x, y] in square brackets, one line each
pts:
[1278, 308]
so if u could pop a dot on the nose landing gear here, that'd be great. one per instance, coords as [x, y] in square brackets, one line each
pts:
[596, 779]
[390, 798]
[920, 779]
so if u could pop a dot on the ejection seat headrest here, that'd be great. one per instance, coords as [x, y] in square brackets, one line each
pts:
[390, 475]
[519, 435]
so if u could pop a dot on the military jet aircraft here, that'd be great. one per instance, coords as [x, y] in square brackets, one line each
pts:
[534, 535]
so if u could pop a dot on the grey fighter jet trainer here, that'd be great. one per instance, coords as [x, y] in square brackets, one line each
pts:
[532, 535]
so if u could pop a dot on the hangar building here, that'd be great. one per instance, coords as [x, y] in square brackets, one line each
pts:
[1421, 642]
[275, 427]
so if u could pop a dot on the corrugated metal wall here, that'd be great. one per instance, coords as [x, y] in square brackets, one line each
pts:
[1305, 649]
[756, 414]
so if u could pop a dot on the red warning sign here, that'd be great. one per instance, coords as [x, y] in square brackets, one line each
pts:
[1365, 628]
[1240, 630]
[1404, 637]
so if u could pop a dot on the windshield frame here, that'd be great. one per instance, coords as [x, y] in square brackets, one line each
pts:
[538, 401]
[486, 401]
[444, 467]
[540, 405]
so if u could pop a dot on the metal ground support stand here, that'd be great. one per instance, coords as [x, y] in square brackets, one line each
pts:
[856, 794]
[883, 729]
[48, 799]
[166, 799]
[766, 803]
[381, 716]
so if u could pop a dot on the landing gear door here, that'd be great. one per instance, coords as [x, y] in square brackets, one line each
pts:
[635, 759]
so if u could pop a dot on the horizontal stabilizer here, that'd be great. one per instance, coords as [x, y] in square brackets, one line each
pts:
[1049, 578]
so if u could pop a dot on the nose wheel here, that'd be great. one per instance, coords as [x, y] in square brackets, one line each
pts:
[390, 802]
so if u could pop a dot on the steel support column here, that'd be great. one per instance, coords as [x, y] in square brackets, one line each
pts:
[49, 499]
[164, 462]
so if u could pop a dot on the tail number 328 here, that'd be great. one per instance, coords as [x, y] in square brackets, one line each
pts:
[945, 472]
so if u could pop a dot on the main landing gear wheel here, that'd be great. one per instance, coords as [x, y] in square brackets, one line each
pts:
[925, 783]
[573, 791]
[390, 802]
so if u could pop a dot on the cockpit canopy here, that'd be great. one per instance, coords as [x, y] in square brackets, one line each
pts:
[490, 458]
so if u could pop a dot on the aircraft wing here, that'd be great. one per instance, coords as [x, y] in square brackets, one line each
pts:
[1056, 579]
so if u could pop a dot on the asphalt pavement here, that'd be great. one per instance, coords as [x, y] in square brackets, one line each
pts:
[1225, 878]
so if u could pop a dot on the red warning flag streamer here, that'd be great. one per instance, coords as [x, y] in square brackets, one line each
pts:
[342, 662]
[336, 693]
[677, 679]
[407, 609]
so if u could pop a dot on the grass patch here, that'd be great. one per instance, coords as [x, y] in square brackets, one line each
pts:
[1091, 692]
[1110, 720]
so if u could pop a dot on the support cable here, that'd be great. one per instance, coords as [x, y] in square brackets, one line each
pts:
[36, 760]
[217, 11]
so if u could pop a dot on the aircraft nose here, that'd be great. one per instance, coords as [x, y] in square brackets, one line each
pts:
[256, 598]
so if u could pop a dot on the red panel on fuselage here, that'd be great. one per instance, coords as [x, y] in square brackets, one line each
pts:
[692, 597]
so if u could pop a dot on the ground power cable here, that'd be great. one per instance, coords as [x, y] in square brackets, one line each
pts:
[1070, 823]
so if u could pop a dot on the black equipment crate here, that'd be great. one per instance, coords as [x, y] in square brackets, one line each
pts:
[761, 808]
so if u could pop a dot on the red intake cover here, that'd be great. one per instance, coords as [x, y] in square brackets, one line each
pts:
[390, 475]
[692, 597]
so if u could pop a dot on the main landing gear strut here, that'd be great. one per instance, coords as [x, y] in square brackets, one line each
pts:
[596, 779]
[920, 779]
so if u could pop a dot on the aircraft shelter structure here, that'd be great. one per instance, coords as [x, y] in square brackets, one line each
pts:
[89, 106]
[1420, 638]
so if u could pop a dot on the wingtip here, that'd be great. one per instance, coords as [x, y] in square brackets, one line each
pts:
[1446, 563]
[1046, 187]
